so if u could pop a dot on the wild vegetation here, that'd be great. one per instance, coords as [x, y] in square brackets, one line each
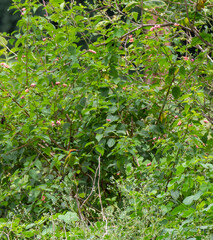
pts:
[106, 121]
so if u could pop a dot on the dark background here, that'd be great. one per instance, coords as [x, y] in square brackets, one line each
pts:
[8, 19]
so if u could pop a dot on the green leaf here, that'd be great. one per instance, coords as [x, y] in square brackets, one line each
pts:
[29, 234]
[111, 142]
[3, 41]
[154, 129]
[182, 71]
[175, 194]
[89, 143]
[82, 195]
[62, 5]
[180, 170]
[100, 149]
[172, 70]
[135, 16]
[34, 174]
[176, 92]
[177, 210]
[209, 207]
[69, 217]
[153, 3]
[51, 197]
[99, 137]
[72, 50]
[190, 199]
[130, 6]
[119, 32]
[188, 212]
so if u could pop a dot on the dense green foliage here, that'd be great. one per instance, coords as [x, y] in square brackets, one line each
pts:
[134, 97]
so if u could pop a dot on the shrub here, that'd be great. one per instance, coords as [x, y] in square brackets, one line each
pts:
[137, 111]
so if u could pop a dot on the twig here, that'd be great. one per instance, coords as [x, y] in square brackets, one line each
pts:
[78, 205]
[8, 48]
[79, 210]
[141, 12]
[53, 141]
[165, 100]
[139, 27]
[93, 188]
[198, 46]
[100, 8]
[24, 145]
[209, 118]
[14, 100]
[187, 14]
[45, 8]
[194, 30]
[99, 193]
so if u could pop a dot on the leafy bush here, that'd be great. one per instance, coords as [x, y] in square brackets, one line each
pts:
[131, 98]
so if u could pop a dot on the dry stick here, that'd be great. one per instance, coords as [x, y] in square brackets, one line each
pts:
[99, 193]
[203, 40]
[78, 204]
[65, 232]
[189, 75]
[163, 25]
[198, 46]
[93, 188]
[8, 49]
[195, 12]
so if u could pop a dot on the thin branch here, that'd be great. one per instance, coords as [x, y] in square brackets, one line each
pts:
[193, 28]
[93, 188]
[8, 48]
[53, 141]
[136, 29]
[142, 12]
[187, 14]
[99, 193]
[14, 100]
[209, 118]
[203, 40]
[46, 13]
[198, 46]
[165, 100]
[100, 8]
[22, 146]
[78, 205]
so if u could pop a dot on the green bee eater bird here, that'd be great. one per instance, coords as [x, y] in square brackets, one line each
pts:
[71, 157]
